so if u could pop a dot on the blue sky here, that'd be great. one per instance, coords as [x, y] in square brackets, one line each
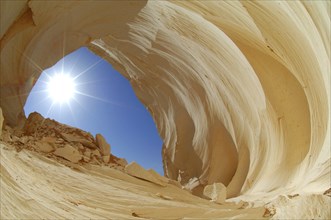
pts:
[108, 106]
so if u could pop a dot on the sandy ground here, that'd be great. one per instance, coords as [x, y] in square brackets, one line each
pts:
[36, 187]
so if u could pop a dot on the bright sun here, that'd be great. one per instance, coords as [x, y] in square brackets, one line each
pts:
[61, 88]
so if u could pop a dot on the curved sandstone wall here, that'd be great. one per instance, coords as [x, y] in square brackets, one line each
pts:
[240, 91]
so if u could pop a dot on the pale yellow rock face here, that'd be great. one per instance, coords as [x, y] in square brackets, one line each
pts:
[102, 144]
[239, 90]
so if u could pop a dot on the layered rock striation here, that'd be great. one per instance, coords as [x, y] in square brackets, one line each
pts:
[239, 90]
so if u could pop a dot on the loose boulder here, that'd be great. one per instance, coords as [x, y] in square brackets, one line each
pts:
[216, 192]
[44, 147]
[136, 170]
[102, 145]
[79, 139]
[69, 153]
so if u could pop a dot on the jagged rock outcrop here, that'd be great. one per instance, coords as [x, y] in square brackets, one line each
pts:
[102, 144]
[59, 141]
[239, 90]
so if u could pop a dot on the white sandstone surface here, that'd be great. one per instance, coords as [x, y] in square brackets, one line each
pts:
[239, 91]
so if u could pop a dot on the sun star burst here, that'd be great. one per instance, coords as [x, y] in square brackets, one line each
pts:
[61, 88]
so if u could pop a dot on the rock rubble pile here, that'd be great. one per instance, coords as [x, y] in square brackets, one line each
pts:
[61, 142]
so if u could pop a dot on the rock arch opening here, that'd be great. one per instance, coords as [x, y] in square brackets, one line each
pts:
[103, 102]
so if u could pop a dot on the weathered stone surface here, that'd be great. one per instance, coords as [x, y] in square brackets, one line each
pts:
[79, 139]
[86, 159]
[33, 122]
[192, 183]
[69, 153]
[87, 153]
[1, 121]
[121, 161]
[96, 153]
[216, 192]
[25, 139]
[106, 159]
[44, 147]
[136, 170]
[46, 144]
[51, 140]
[158, 176]
[80, 146]
[102, 144]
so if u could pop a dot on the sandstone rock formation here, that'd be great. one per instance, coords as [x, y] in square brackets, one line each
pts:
[102, 145]
[239, 90]
[68, 152]
[58, 141]
[136, 170]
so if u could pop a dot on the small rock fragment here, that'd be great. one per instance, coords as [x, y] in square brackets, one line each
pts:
[327, 192]
[243, 204]
[15, 138]
[75, 138]
[269, 212]
[96, 153]
[44, 147]
[106, 158]
[292, 196]
[80, 146]
[87, 153]
[59, 141]
[216, 192]
[102, 144]
[163, 196]
[24, 139]
[94, 160]
[86, 159]
[69, 153]
[87, 144]
[51, 140]
[1, 121]
[192, 183]
[6, 137]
